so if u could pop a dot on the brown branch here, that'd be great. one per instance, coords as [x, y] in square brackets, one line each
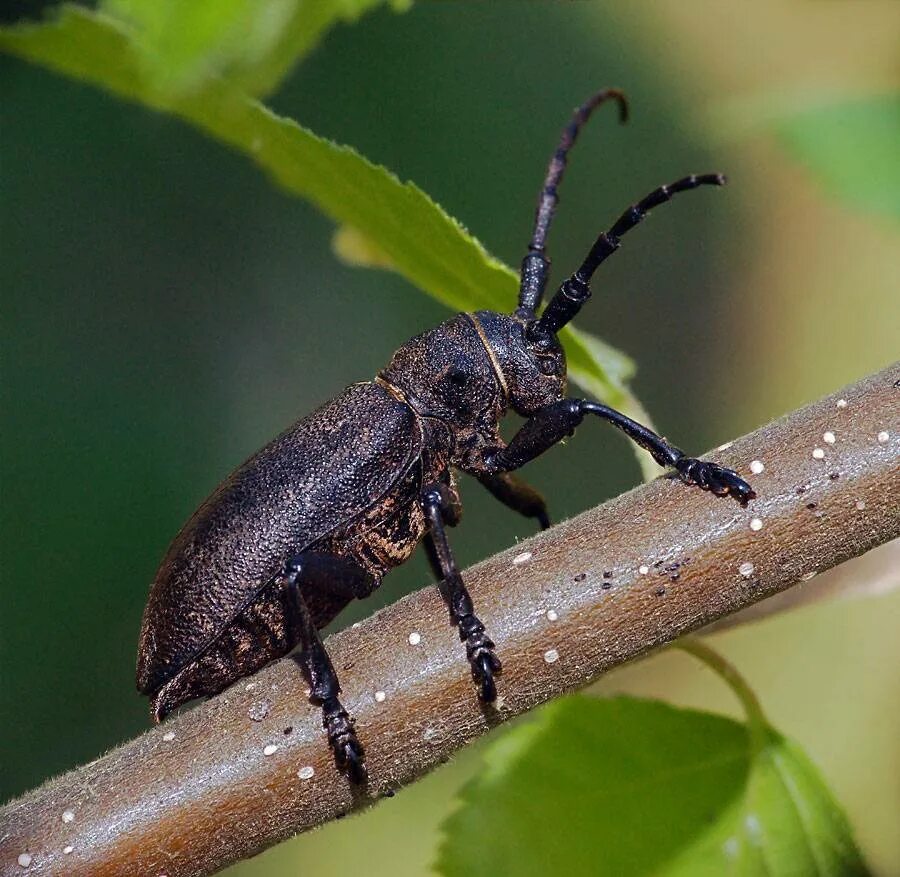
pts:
[874, 574]
[250, 768]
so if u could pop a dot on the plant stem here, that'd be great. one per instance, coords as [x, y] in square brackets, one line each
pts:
[757, 723]
[218, 784]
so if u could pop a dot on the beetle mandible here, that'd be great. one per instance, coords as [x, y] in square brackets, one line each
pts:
[319, 515]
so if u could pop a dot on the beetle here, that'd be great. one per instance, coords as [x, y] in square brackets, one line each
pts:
[318, 516]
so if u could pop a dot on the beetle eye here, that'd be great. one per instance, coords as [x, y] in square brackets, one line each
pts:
[547, 366]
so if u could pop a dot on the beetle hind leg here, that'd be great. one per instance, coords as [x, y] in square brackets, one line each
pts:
[440, 508]
[323, 571]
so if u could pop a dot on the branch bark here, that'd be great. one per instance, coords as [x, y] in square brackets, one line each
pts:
[251, 767]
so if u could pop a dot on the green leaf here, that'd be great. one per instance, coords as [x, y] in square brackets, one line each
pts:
[852, 148]
[392, 222]
[253, 43]
[425, 245]
[632, 787]
[603, 371]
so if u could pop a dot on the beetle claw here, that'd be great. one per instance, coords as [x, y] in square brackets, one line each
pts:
[349, 756]
[484, 666]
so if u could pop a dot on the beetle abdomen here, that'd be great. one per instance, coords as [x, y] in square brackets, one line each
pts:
[388, 533]
[319, 476]
[257, 635]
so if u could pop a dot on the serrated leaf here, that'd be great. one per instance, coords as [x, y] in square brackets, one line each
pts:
[253, 43]
[852, 148]
[631, 787]
[402, 224]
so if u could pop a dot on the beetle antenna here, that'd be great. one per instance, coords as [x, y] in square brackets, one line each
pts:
[535, 265]
[575, 291]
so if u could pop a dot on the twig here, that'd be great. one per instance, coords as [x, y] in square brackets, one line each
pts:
[251, 767]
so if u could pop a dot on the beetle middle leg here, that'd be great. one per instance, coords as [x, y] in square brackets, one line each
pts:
[553, 423]
[518, 495]
[321, 570]
[440, 509]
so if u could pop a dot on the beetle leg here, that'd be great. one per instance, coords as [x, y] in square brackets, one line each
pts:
[440, 509]
[558, 420]
[516, 494]
[314, 570]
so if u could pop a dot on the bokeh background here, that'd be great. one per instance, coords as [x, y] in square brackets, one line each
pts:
[166, 310]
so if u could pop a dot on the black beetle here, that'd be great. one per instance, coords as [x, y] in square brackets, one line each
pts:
[317, 517]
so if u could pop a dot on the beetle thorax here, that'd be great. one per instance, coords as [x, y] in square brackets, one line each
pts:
[447, 374]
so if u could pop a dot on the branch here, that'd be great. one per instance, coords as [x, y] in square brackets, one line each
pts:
[872, 575]
[251, 767]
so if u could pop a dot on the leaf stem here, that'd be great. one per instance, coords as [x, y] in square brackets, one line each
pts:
[757, 723]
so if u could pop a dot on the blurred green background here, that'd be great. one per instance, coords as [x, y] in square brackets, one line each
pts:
[166, 311]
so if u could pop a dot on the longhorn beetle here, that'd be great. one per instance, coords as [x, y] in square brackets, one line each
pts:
[319, 515]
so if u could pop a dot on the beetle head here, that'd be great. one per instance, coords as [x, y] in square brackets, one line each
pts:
[530, 362]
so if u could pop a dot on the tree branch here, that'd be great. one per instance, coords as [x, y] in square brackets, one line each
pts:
[251, 767]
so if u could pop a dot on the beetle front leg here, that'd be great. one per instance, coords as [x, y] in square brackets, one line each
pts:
[440, 509]
[552, 424]
[322, 570]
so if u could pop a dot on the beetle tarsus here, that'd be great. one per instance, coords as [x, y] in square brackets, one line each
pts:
[349, 754]
[482, 658]
[353, 763]
[714, 478]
